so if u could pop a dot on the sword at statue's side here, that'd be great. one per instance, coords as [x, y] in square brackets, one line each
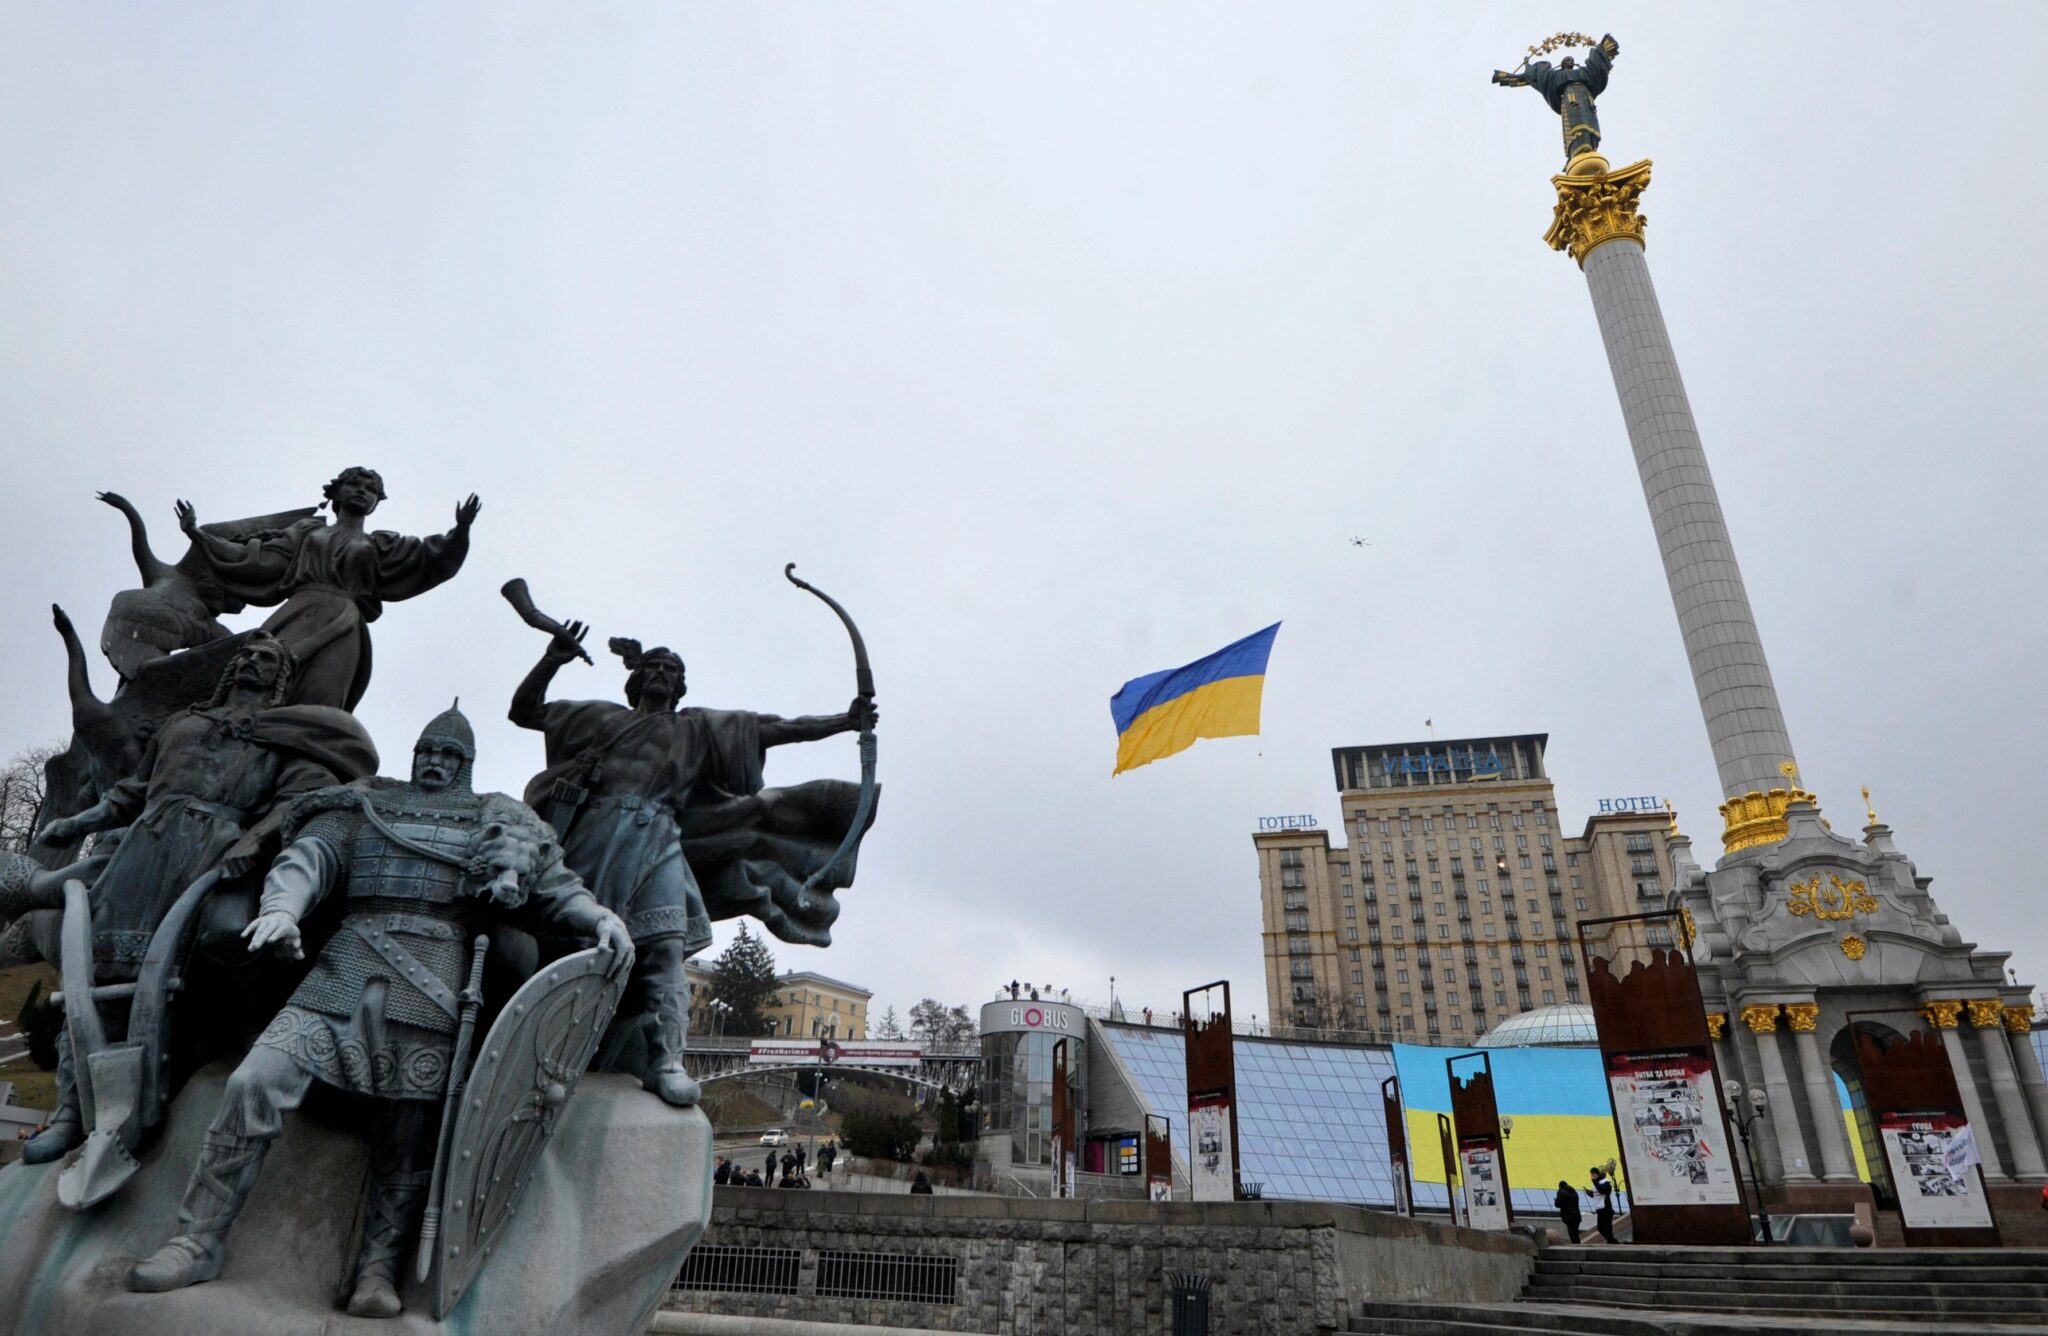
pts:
[864, 689]
[458, 1076]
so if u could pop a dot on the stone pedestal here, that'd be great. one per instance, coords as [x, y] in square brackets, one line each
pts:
[619, 1198]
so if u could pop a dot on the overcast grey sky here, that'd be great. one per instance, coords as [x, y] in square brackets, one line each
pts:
[1063, 343]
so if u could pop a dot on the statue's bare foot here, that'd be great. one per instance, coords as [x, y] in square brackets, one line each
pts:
[181, 1262]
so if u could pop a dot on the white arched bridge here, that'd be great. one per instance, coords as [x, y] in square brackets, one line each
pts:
[935, 1066]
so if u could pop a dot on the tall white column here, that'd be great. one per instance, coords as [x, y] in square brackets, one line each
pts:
[1783, 1113]
[2018, 1019]
[1838, 1165]
[1729, 671]
[1944, 1014]
[2005, 1088]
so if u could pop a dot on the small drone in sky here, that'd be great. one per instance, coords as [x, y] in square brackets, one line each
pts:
[1356, 541]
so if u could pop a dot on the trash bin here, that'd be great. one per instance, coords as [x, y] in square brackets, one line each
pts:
[1190, 1303]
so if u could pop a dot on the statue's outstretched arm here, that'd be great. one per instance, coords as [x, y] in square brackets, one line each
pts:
[530, 698]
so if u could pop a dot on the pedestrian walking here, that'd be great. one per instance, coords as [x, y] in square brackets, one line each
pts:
[1568, 1208]
[1603, 1214]
[827, 1153]
[921, 1185]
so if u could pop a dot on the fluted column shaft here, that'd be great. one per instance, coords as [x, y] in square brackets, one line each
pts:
[1784, 1114]
[1729, 671]
[2005, 1088]
[2032, 1082]
[1837, 1164]
[1973, 1107]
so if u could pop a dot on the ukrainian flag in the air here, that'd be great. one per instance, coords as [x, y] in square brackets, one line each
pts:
[1214, 697]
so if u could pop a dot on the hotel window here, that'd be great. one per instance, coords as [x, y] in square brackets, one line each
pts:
[1500, 997]
[1518, 821]
[1443, 930]
[1580, 901]
[1429, 825]
[1401, 976]
[1471, 820]
[1354, 953]
[1543, 816]
[1571, 860]
[1489, 929]
[1351, 934]
[1351, 911]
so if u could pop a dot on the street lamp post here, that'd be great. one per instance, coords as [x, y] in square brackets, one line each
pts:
[1746, 1108]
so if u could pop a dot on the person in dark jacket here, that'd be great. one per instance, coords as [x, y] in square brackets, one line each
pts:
[723, 1174]
[789, 1163]
[1603, 1217]
[921, 1184]
[768, 1174]
[754, 1179]
[826, 1154]
[1568, 1208]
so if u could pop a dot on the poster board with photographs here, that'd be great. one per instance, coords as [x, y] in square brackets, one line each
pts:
[1683, 1180]
[1934, 1170]
[1486, 1189]
[1667, 1111]
[1930, 1152]
[1211, 1140]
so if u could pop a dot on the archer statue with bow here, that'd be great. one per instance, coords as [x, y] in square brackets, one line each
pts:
[663, 813]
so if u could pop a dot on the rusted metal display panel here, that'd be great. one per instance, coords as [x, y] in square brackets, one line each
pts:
[1476, 1122]
[1678, 1150]
[1212, 1093]
[1910, 1089]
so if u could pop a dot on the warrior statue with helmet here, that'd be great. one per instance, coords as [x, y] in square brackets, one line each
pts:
[422, 868]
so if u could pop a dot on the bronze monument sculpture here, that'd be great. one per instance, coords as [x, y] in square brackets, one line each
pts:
[663, 812]
[425, 866]
[331, 580]
[469, 960]
[1569, 87]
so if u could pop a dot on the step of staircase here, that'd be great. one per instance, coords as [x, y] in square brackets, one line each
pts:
[1975, 1289]
[1546, 1319]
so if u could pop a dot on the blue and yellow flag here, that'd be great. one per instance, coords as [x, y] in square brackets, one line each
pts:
[1214, 697]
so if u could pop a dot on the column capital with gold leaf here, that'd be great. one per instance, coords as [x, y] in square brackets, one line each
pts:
[1761, 1018]
[1942, 1014]
[1804, 1016]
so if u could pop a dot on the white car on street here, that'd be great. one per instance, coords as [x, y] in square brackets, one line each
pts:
[775, 1136]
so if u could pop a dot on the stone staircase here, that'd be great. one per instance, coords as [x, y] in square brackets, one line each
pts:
[1654, 1291]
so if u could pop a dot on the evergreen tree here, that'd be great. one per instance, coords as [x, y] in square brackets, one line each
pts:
[743, 977]
[890, 1027]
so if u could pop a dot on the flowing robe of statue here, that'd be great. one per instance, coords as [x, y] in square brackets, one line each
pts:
[731, 845]
[1570, 89]
[205, 778]
[332, 582]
